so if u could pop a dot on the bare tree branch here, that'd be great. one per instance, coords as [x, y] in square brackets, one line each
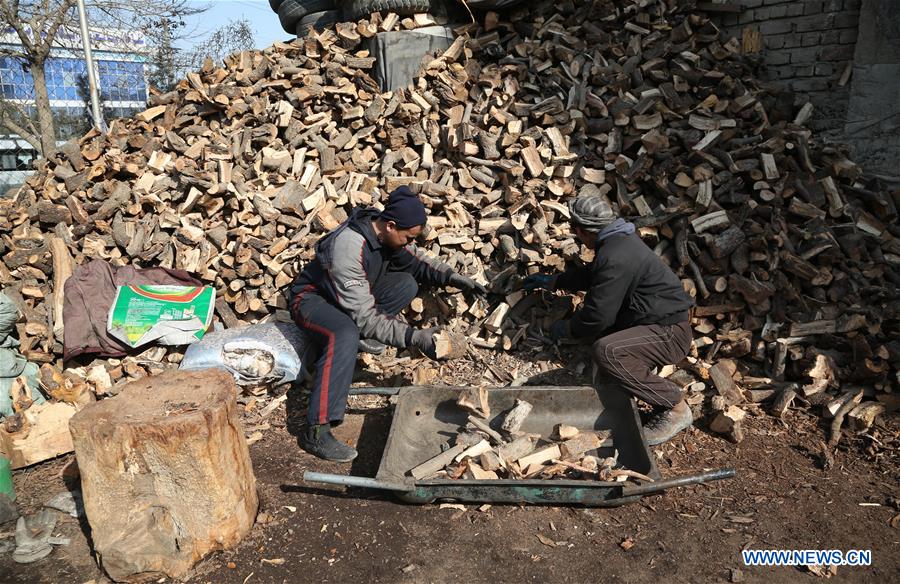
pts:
[22, 113]
[12, 126]
[7, 52]
[57, 21]
[11, 19]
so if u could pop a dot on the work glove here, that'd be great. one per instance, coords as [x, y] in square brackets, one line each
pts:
[561, 329]
[423, 340]
[466, 283]
[539, 282]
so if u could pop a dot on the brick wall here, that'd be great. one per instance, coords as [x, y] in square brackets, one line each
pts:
[808, 44]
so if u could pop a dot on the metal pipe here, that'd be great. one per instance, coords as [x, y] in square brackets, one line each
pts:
[352, 481]
[89, 62]
[648, 488]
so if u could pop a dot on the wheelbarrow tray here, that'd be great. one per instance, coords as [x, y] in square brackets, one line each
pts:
[425, 418]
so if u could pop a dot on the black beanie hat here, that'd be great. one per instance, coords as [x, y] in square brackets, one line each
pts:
[404, 208]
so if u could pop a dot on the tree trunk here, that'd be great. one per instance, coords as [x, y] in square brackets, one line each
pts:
[42, 107]
[165, 473]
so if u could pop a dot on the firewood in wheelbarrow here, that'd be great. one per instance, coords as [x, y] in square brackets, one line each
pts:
[490, 460]
[436, 463]
[473, 451]
[475, 400]
[541, 456]
[450, 345]
[483, 426]
[583, 442]
[563, 432]
[468, 438]
[516, 416]
[516, 449]
[582, 468]
[553, 470]
[474, 471]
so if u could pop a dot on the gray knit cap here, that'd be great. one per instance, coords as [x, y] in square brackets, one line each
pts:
[591, 212]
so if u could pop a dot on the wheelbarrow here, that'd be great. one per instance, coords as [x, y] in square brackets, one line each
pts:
[425, 418]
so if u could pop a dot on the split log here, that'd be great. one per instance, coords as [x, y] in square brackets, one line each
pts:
[450, 345]
[516, 416]
[564, 432]
[728, 422]
[484, 427]
[850, 402]
[165, 473]
[431, 466]
[823, 373]
[539, 457]
[582, 443]
[475, 400]
[521, 446]
[783, 401]
[473, 451]
[39, 433]
[722, 376]
[863, 416]
[474, 471]
[490, 460]
[62, 270]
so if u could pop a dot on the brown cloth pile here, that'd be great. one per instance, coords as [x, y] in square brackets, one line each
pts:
[89, 295]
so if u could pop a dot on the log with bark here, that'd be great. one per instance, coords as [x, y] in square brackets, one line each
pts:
[165, 473]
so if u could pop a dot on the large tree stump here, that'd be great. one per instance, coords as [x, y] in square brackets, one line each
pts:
[165, 472]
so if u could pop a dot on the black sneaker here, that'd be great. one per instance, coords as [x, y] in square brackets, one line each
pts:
[319, 441]
[372, 346]
[665, 425]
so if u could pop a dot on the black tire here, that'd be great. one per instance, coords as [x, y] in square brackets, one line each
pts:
[317, 21]
[356, 9]
[275, 4]
[291, 11]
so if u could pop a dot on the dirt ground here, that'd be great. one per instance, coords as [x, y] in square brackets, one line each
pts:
[780, 498]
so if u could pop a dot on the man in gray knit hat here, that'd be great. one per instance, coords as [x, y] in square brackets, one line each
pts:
[635, 311]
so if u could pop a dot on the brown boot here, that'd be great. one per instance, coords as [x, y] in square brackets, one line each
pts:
[665, 425]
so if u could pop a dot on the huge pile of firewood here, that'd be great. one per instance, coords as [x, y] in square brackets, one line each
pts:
[790, 250]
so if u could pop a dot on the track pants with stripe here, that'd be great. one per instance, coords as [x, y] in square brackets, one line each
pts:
[337, 340]
[629, 356]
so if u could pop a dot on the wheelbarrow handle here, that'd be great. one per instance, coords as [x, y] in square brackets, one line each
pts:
[650, 488]
[353, 481]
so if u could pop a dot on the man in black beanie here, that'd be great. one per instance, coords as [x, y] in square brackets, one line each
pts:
[348, 297]
[635, 310]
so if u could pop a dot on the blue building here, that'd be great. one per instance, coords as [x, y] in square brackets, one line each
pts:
[120, 65]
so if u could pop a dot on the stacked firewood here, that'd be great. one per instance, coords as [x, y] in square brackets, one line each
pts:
[790, 249]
